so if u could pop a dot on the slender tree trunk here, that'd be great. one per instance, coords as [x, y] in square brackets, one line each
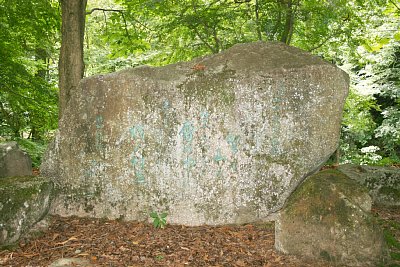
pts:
[278, 23]
[256, 11]
[71, 66]
[289, 23]
[41, 55]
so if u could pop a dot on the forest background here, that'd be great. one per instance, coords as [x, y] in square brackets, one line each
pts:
[360, 36]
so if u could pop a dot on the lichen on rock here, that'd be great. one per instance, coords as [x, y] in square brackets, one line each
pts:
[383, 183]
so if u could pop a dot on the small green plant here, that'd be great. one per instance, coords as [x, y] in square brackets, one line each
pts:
[159, 220]
[159, 257]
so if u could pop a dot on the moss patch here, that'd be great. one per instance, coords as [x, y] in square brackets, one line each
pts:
[15, 191]
[327, 217]
[388, 191]
[23, 202]
[319, 197]
[326, 256]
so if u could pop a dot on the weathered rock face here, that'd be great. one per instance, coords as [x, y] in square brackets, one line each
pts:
[383, 183]
[328, 217]
[221, 139]
[13, 161]
[24, 201]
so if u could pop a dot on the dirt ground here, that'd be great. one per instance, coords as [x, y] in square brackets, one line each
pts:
[118, 243]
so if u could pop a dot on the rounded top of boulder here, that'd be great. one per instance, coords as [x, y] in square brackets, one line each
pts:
[8, 146]
[265, 55]
[261, 56]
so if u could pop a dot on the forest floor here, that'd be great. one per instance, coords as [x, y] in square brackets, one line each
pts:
[119, 243]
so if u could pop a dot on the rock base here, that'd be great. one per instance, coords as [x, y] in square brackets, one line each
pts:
[383, 183]
[24, 201]
[328, 217]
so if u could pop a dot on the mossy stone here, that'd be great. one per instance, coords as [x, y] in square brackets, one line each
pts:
[328, 216]
[383, 183]
[24, 201]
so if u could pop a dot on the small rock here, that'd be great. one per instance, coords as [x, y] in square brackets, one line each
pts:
[14, 161]
[328, 217]
[25, 202]
[71, 262]
[383, 183]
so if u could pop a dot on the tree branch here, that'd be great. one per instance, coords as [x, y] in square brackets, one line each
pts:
[104, 10]
[320, 44]
[204, 41]
[121, 11]
[391, 1]
[290, 7]
[22, 96]
[327, 39]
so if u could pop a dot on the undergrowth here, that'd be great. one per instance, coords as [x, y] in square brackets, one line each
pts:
[391, 232]
[34, 149]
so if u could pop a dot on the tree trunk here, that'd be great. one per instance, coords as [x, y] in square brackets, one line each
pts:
[278, 23]
[256, 11]
[289, 23]
[71, 66]
[41, 55]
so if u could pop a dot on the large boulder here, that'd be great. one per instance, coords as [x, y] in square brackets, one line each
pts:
[14, 161]
[328, 217]
[24, 201]
[383, 183]
[221, 139]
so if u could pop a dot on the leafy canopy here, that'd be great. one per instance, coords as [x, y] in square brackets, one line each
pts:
[28, 97]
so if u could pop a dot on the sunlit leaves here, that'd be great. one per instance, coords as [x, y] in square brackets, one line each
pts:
[180, 30]
[28, 34]
[376, 75]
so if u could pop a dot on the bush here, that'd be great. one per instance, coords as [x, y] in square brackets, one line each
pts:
[34, 149]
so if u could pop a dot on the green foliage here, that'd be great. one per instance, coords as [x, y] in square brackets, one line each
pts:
[162, 32]
[357, 123]
[28, 97]
[159, 257]
[371, 123]
[159, 220]
[34, 149]
[385, 79]
[391, 240]
[393, 243]
[358, 129]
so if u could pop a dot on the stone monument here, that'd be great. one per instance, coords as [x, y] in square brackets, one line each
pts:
[222, 139]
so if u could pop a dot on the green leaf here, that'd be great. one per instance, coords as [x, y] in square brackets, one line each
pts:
[384, 41]
[397, 36]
